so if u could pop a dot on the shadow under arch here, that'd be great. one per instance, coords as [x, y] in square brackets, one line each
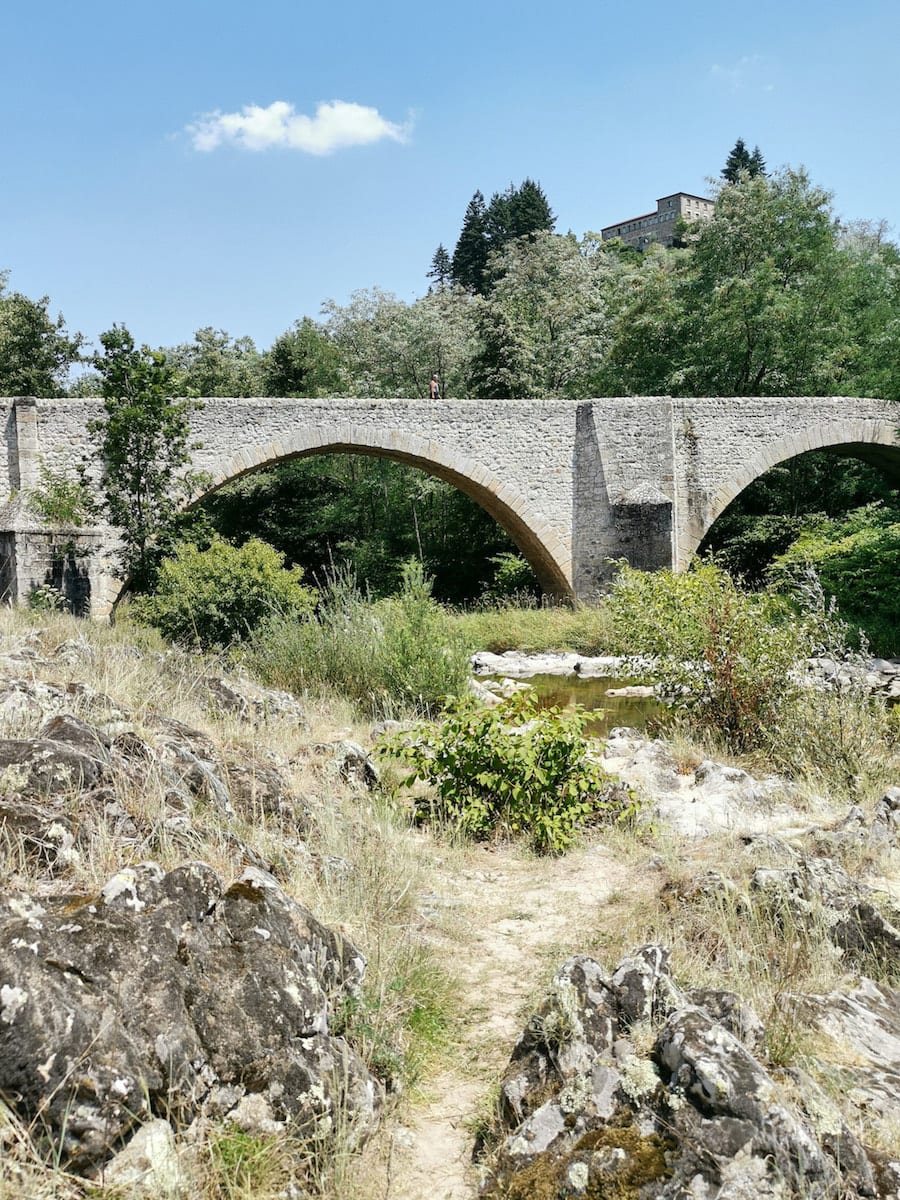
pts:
[549, 557]
[874, 442]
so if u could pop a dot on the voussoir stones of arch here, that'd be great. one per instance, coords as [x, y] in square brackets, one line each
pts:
[167, 992]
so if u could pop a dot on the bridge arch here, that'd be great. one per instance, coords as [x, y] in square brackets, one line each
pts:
[875, 442]
[546, 552]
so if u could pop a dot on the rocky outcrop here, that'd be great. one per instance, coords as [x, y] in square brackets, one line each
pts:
[623, 1085]
[172, 995]
[700, 799]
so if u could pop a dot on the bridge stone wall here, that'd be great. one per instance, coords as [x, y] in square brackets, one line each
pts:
[576, 484]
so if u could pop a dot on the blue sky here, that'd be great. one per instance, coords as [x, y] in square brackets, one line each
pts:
[136, 187]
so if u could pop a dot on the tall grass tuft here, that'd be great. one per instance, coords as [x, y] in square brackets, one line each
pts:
[391, 657]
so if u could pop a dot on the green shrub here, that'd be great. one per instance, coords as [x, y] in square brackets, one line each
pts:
[214, 597]
[513, 580]
[512, 769]
[391, 657]
[724, 655]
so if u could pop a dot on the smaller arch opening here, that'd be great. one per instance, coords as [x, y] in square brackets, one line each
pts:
[836, 510]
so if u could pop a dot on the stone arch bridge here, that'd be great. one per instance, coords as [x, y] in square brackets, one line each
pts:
[575, 483]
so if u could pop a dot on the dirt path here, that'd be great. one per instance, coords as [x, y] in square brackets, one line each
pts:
[505, 922]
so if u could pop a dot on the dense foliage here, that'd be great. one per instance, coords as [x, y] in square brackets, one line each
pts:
[724, 655]
[515, 769]
[36, 351]
[787, 501]
[369, 514]
[857, 560]
[214, 597]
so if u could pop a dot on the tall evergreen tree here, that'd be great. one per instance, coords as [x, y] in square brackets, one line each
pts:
[757, 163]
[741, 162]
[518, 212]
[441, 269]
[470, 254]
[529, 211]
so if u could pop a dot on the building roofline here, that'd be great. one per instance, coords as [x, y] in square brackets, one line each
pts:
[642, 217]
[690, 196]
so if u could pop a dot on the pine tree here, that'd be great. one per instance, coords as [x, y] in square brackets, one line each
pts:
[757, 163]
[741, 162]
[470, 254]
[529, 211]
[441, 268]
[518, 212]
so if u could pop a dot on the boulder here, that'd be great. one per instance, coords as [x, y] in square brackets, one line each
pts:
[142, 1000]
[697, 1113]
[249, 702]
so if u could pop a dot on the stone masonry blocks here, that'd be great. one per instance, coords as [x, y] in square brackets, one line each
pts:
[560, 475]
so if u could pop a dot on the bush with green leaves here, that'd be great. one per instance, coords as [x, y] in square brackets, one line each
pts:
[214, 597]
[725, 656]
[391, 657]
[513, 769]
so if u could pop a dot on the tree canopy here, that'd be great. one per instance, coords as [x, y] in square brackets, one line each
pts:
[36, 351]
[518, 212]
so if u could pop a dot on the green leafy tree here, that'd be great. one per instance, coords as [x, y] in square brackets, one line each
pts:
[36, 351]
[441, 269]
[144, 442]
[471, 251]
[303, 361]
[389, 348]
[543, 328]
[215, 364]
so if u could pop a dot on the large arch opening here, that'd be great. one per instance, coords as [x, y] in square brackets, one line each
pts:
[282, 493]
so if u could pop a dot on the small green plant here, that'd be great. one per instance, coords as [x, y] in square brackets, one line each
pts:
[244, 1164]
[513, 769]
[63, 498]
[214, 597]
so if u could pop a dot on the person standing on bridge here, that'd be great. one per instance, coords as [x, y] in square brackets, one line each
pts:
[434, 388]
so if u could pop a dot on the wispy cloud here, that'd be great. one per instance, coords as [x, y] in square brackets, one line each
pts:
[336, 124]
[750, 73]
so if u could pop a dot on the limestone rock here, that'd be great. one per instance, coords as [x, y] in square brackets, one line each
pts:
[148, 1166]
[141, 1000]
[820, 894]
[698, 1116]
[350, 760]
[249, 702]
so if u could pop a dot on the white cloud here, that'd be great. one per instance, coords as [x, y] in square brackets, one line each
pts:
[749, 73]
[335, 125]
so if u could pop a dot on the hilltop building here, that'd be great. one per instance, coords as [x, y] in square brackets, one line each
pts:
[659, 226]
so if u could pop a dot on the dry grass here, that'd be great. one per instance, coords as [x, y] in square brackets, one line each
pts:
[356, 865]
